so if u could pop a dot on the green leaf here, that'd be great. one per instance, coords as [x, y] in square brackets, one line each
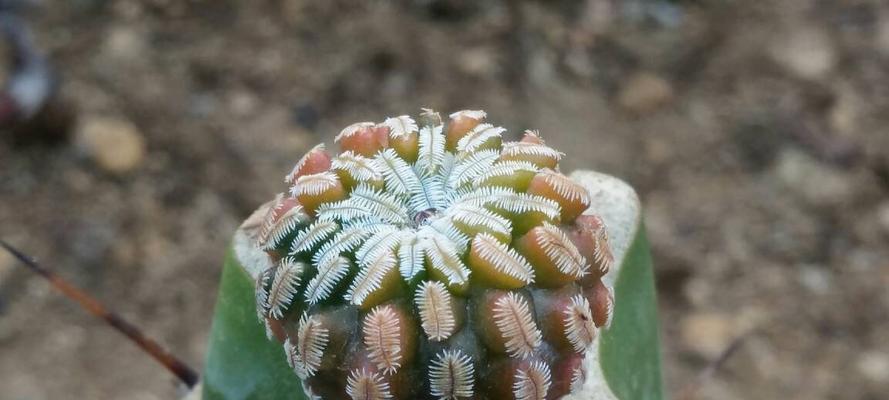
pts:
[241, 362]
[629, 354]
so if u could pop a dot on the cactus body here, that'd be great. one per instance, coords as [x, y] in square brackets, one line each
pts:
[436, 262]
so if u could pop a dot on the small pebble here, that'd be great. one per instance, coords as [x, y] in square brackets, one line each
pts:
[812, 180]
[125, 44]
[806, 53]
[707, 334]
[116, 145]
[243, 103]
[874, 366]
[645, 92]
[479, 61]
[816, 279]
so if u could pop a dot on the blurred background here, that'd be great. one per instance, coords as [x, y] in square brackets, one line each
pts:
[757, 134]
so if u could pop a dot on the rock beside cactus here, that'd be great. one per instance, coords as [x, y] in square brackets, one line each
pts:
[433, 260]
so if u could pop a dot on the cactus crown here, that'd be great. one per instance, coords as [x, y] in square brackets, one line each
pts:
[478, 244]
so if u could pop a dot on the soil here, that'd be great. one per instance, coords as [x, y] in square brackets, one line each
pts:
[755, 132]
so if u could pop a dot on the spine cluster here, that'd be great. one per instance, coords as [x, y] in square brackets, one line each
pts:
[433, 260]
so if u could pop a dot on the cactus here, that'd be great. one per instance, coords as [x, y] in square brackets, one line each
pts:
[431, 263]
[431, 260]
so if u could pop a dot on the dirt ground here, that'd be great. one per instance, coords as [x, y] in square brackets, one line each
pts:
[756, 133]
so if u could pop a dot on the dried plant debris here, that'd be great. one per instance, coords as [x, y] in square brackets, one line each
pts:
[459, 255]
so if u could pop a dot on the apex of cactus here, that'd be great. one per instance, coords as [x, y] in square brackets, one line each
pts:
[433, 261]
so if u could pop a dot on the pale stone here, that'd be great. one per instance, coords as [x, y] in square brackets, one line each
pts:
[707, 334]
[874, 366]
[124, 44]
[478, 61]
[644, 93]
[805, 52]
[812, 180]
[116, 145]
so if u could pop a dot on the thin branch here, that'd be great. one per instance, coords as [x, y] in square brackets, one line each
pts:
[177, 367]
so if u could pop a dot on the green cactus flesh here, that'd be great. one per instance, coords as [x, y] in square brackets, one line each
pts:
[434, 261]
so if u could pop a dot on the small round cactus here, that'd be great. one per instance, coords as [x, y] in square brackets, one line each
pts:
[433, 260]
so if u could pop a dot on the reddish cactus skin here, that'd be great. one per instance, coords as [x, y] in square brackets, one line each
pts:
[460, 124]
[315, 161]
[364, 138]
